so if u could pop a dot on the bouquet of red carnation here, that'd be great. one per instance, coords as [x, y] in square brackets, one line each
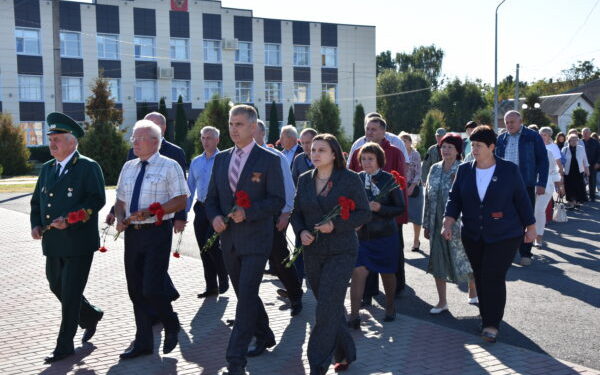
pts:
[242, 200]
[157, 210]
[342, 209]
[81, 215]
[398, 182]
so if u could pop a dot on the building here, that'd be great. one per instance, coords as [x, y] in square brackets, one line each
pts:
[557, 107]
[591, 90]
[150, 49]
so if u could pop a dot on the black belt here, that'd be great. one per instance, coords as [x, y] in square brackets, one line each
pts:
[145, 226]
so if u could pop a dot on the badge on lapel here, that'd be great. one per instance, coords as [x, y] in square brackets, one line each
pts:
[70, 192]
[256, 176]
[494, 179]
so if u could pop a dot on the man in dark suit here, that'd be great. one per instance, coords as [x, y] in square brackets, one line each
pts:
[247, 238]
[68, 183]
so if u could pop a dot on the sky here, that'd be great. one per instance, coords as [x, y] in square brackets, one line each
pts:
[543, 36]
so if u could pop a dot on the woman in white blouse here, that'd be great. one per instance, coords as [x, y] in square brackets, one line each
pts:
[541, 201]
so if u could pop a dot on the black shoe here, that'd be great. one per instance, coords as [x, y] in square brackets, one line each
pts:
[223, 288]
[416, 249]
[366, 302]
[57, 357]
[282, 293]
[135, 352]
[296, 307]
[354, 323]
[171, 339]
[260, 347]
[89, 331]
[209, 293]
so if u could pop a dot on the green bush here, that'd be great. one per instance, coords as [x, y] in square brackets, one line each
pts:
[39, 153]
[359, 121]
[324, 116]
[215, 113]
[14, 154]
[433, 120]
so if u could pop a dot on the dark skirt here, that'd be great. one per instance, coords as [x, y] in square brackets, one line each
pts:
[380, 254]
[575, 186]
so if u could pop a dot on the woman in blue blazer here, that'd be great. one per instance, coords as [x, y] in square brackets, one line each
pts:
[491, 196]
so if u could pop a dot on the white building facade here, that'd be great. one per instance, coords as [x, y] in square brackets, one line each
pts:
[195, 49]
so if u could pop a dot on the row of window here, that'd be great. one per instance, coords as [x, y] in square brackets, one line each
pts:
[146, 90]
[28, 43]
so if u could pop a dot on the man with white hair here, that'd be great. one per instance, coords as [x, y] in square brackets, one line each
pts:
[149, 179]
[288, 138]
[215, 274]
[68, 183]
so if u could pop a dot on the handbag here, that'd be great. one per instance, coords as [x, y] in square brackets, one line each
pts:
[560, 211]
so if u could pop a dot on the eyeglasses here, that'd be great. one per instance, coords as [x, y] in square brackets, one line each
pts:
[140, 139]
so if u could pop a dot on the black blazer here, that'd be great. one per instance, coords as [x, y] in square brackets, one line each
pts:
[505, 209]
[310, 209]
[383, 223]
[262, 179]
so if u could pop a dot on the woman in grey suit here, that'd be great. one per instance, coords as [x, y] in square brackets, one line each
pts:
[330, 257]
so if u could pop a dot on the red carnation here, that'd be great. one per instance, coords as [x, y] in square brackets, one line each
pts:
[242, 199]
[157, 210]
[102, 249]
[82, 215]
[73, 218]
[176, 254]
[154, 206]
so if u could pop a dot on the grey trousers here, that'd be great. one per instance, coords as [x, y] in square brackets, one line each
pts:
[246, 273]
[328, 276]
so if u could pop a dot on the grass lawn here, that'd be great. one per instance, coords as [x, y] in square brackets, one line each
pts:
[17, 188]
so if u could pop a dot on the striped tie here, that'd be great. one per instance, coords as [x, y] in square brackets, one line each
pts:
[234, 173]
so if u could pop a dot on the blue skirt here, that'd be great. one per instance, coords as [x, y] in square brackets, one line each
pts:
[380, 254]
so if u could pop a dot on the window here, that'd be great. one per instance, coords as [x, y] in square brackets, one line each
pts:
[144, 47]
[180, 49]
[243, 54]
[272, 92]
[331, 90]
[212, 51]
[70, 44]
[145, 90]
[72, 90]
[30, 88]
[272, 54]
[243, 92]
[108, 46]
[114, 85]
[34, 133]
[212, 88]
[301, 92]
[301, 56]
[180, 88]
[28, 41]
[329, 57]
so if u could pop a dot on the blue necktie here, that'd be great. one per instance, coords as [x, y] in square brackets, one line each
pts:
[135, 197]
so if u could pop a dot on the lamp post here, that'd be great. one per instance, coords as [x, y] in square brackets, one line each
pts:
[496, 70]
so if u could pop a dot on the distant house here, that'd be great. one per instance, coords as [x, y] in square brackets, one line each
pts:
[557, 107]
[591, 90]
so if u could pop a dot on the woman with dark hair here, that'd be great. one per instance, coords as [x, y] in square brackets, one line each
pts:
[447, 259]
[560, 140]
[378, 239]
[491, 196]
[330, 257]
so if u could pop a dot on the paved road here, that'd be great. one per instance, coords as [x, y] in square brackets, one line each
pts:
[553, 305]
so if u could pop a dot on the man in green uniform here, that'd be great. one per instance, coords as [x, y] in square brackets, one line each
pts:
[68, 183]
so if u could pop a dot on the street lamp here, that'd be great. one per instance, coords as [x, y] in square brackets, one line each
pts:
[496, 70]
[535, 105]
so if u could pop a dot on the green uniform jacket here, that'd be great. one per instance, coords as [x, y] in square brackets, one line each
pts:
[81, 186]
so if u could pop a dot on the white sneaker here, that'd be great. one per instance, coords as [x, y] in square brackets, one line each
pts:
[438, 310]
[474, 300]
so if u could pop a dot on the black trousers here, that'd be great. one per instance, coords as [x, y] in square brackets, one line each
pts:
[251, 319]
[490, 262]
[525, 248]
[288, 276]
[215, 273]
[147, 254]
[67, 277]
[592, 183]
[372, 282]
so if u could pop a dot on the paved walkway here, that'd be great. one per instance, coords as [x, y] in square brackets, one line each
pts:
[29, 319]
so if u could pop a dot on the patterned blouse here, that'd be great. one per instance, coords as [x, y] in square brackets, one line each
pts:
[413, 172]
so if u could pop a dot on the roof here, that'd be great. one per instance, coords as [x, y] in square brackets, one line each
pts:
[590, 89]
[551, 105]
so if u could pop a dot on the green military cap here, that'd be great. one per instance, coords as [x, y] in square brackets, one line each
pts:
[59, 123]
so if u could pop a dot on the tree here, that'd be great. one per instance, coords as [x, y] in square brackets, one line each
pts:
[384, 61]
[533, 115]
[578, 118]
[324, 116]
[594, 120]
[273, 125]
[582, 72]
[359, 122]
[291, 117]
[483, 116]
[103, 140]
[403, 99]
[426, 59]
[143, 110]
[458, 101]
[181, 123]
[170, 131]
[14, 155]
[215, 113]
[434, 119]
